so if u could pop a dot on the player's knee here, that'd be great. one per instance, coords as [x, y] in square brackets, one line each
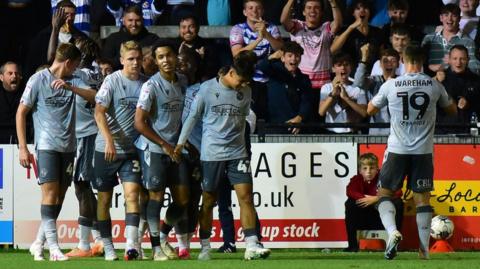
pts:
[245, 199]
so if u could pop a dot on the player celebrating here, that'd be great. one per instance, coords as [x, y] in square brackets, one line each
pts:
[222, 104]
[412, 100]
[50, 94]
[115, 152]
[158, 118]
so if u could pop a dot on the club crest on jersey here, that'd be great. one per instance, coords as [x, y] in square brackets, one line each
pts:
[168, 92]
[217, 94]
[239, 96]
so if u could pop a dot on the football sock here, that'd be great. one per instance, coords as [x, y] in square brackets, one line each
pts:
[95, 232]
[182, 241]
[387, 211]
[424, 221]
[153, 219]
[85, 226]
[49, 224]
[40, 234]
[131, 229]
[105, 228]
[251, 238]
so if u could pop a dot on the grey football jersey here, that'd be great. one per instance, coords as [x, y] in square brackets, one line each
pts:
[412, 101]
[85, 121]
[53, 111]
[164, 102]
[223, 112]
[196, 136]
[120, 96]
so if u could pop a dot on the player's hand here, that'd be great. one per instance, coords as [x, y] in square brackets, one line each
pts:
[169, 150]
[58, 18]
[60, 84]
[366, 201]
[110, 152]
[295, 120]
[177, 152]
[24, 156]
[192, 151]
[462, 103]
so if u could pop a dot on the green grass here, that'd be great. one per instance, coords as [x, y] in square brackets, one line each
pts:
[286, 258]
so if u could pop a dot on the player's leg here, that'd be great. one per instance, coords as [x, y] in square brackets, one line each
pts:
[225, 216]
[239, 174]
[105, 180]
[143, 224]
[421, 183]
[130, 176]
[154, 180]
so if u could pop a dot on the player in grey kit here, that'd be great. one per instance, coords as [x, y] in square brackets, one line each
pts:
[222, 104]
[50, 95]
[115, 153]
[412, 101]
[86, 132]
[158, 118]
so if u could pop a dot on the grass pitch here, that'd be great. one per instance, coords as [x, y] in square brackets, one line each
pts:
[279, 259]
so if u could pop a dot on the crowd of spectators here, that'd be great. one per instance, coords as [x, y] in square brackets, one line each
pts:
[337, 55]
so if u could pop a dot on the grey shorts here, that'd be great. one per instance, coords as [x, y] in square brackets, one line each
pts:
[236, 171]
[55, 166]
[418, 168]
[107, 174]
[84, 159]
[160, 171]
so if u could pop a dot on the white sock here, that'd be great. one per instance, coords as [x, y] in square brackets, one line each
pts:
[251, 241]
[163, 237]
[40, 238]
[142, 227]
[387, 211]
[108, 245]
[84, 242]
[96, 235]
[50, 228]
[182, 241]
[205, 243]
[189, 239]
[132, 236]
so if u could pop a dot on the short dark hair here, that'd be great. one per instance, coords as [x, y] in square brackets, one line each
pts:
[65, 3]
[400, 29]
[459, 47]
[244, 64]
[318, 1]
[2, 67]
[67, 51]
[292, 47]
[258, 1]
[364, 3]
[133, 9]
[398, 5]
[450, 8]
[189, 17]
[104, 61]
[89, 49]
[389, 52]
[414, 54]
[164, 43]
[341, 57]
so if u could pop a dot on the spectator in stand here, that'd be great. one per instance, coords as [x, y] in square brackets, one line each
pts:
[151, 9]
[462, 85]
[149, 67]
[389, 59]
[258, 36]
[82, 14]
[11, 91]
[340, 101]
[439, 43]
[315, 39]
[398, 11]
[360, 211]
[359, 33]
[399, 40]
[289, 91]
[190, 40]
[379, 12]
[469, 19]
[62, 30]
[132, 29]
[105, 66]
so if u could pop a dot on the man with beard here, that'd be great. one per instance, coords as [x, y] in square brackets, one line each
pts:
[10, 94]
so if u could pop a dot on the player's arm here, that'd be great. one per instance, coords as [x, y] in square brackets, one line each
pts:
[285, 17]
[195, 114]
[21, 126]
[142, 126]
[87, 94]
[101, 119]
[372, 109]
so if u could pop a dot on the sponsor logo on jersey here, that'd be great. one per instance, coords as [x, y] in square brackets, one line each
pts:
[58, 101]
[172, 106]
[227, 109]
[128, 102]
